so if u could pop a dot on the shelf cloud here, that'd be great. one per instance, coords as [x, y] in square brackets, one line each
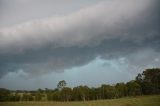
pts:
[109, 30]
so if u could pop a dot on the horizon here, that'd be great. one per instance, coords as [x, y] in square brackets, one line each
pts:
[111, 84]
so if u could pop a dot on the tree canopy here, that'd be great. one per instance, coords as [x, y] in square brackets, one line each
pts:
[145, 83]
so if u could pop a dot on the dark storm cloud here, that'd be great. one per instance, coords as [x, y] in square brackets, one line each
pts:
[112, 29]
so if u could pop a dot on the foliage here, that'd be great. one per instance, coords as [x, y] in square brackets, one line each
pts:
[146, 83]
[127, 101]
[61, 84]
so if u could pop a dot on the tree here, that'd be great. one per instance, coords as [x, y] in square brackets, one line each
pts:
[56, 96]
[152, 75]
[93, 94]
[38, 96]
[81, 93]
[121, 89]
[108, 92]
[61, 84]
[139, 78]
[147, 82]
[151, 81]
[66, 94]
[27, 97]
[133, 88]
[4, 94]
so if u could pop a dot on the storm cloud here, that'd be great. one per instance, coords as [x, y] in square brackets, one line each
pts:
[112, 29]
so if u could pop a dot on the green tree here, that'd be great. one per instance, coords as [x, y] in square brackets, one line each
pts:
[108, 92]
[151, 81]
[133, 88]
[81, 93]
[38, 96]
[66, 94]
[4, 94]
[56, 96]
[27, 97]
[122, 89]
[61, 84]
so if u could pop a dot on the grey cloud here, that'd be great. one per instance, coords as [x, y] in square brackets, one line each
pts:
[103, 21]
[18, 11]
[111, 29]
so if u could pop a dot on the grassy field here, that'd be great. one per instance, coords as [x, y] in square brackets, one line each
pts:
[128, 101]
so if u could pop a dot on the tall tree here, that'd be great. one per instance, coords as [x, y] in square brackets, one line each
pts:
[66, 94]
[61, 84]
[151, 81]
[121, 89]
[133, 88]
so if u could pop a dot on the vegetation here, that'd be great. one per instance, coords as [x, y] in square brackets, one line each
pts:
[147, 83]
[127, 101]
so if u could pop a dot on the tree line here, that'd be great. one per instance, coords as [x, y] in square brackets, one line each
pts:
[146, 83]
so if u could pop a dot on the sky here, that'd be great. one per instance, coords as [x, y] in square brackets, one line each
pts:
[85, 42]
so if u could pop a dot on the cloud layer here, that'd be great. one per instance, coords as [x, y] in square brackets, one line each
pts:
[109, 30]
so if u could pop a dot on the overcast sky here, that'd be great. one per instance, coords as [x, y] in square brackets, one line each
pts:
[85, 42]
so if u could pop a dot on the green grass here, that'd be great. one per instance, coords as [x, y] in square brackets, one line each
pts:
[128, 101]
